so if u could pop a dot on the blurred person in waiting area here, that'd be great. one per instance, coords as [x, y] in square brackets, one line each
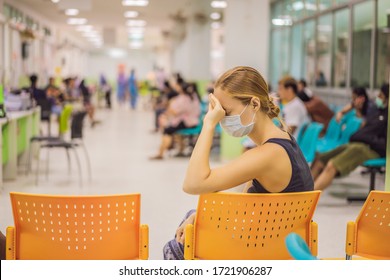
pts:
[317, 109]
[89, 107]
[162, 102]
[36, 93]
[183, 112]
[369, 142]
[362, 105]
[294, 111]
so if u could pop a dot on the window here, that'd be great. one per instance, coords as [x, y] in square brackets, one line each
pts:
[309, 51]
[310, 7]
[340, 48]
[280, 54]
[361, 44]
[296, 51]
[325, 4]
[324, 50]
[382, 70]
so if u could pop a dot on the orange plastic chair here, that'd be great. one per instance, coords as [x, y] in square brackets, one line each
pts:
[76, 227]
[368, 236]
[250, 226]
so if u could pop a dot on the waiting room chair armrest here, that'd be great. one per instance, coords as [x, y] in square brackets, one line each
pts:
[350, 239]
[10, 243]
[313, 238]
[144, 242]
[189, 242]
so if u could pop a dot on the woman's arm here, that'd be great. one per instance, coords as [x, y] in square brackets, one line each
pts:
[343, 111]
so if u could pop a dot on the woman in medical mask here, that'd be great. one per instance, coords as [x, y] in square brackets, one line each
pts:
[241, 104]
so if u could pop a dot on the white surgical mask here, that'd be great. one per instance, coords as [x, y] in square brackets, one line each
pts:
[233, 126]
[379, 103]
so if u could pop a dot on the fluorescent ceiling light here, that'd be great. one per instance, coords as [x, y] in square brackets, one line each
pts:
[215, 16]
[281, 21]
[116, 53]
[71, 12]
[219, 4]
[136, 45]
[131, 14]
[136, 36]
[55, 1]
[139, 3]
[76, 21]
[297, 6]
[136, 23]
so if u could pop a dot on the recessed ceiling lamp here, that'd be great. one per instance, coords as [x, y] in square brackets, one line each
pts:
[136, 36]
[136, 44]
[215, 16]
[219, 4]
[71, 12]
[76, 21]
[139, 3]
[55, 1]
[131, 14]
[136, 23]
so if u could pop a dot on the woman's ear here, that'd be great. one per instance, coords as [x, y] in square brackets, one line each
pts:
[255, 103]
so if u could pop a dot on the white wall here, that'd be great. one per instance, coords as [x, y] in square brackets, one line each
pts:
[247, 34]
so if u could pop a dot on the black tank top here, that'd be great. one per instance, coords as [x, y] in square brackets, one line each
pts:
[301, 179]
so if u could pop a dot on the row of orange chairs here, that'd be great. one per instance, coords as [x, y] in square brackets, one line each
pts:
[227, 226]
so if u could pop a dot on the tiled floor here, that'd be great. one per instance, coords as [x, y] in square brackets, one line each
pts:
[119, 149]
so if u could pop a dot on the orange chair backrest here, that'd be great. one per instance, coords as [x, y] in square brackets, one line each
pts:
[373, 227]
[76, 227]
[251, 226]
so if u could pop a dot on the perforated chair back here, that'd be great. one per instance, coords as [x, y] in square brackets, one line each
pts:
[76, 227]
[250, 226]
[368, 236]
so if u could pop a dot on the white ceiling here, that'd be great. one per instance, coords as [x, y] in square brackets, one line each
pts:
[104, 14]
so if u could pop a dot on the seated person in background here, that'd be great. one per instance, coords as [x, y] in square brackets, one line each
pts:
[57, 98]
[86, 94]
[360, 102]
[241, 104]
[304, 93]
[183, 112]
[162, 102]
[36, 93]
[294, 111]
[316, 108]
[369, 142]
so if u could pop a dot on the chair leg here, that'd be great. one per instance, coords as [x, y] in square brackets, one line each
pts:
[29, 158]
[79, 166]
[373, 172]
[69, 161]
[88, 161]
[37, 169]
[47, 163]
